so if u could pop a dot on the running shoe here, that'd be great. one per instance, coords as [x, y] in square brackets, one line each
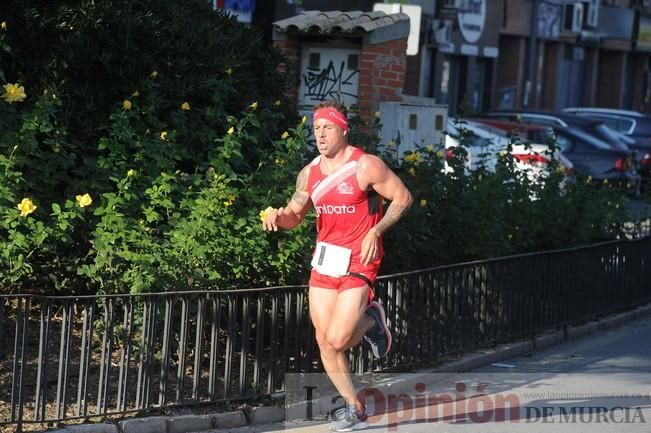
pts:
[379, 336]
[348, 419]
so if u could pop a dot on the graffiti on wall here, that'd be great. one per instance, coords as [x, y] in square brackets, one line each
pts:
[331, 82]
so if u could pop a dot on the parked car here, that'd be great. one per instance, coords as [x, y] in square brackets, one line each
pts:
[529, 133]
[526, 131]
[597, 158]
[592, 127]
[635, 125]
[588, 154]
[484, 143]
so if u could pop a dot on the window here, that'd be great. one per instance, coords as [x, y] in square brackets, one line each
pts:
[540, 120]
[315, 60]
[413, 121]
[563, 143]
[353, 62]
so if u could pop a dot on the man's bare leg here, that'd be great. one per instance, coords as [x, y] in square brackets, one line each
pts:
[340, 323]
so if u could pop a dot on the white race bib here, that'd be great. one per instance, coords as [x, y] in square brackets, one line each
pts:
[331, 260]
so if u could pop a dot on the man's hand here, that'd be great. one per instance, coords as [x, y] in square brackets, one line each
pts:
[369, 247]
[270, 218]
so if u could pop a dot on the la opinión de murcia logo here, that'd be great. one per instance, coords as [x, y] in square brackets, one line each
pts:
[479, 408]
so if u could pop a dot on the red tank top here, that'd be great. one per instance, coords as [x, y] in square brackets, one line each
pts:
[344, 212]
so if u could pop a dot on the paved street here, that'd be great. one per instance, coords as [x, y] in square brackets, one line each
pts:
[599, 383]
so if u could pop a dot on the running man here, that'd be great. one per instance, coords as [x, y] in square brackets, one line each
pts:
[345, 186]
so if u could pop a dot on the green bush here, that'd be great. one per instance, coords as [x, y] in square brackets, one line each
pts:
[469, 215]
[133, 103]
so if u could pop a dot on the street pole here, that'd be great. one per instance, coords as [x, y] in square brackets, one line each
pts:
[531, 55]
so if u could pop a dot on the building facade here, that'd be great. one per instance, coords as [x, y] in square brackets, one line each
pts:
[475, 55]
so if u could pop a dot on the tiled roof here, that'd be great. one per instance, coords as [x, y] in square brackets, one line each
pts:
[344, 23]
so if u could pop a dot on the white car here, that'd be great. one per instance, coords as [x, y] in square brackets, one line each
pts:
[484, 144]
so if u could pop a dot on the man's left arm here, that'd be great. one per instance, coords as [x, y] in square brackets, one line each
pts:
[374, 173]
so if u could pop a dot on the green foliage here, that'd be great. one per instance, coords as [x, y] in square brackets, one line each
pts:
[473, 214]
[133, 103]
[94, 55]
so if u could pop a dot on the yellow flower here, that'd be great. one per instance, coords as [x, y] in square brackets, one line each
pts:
[430, 148]
[414, 158]
[3, 26]
[423, 203]
[280, 161]
[263, 213]
[131, 172]
[154, 74]
[589, 179]
[26, 207]
[277, 103]
[135, 94]
[412, 171]
[84, 200]
[605, 181]
[229, 200]
[502, 153]
[439, 154]
[229, 71]
[377, 114]
[126, 104]
[254, 105]
[285, 135]
[163, 135]
[510, 236]
[14, 93]
[230, 130]
[185, 106]
[304, 119]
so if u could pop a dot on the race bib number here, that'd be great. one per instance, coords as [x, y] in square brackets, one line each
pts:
[331, 260]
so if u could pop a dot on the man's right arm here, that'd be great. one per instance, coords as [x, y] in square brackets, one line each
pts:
[291, 215]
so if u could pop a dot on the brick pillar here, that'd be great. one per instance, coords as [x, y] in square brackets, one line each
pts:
[382, 74]
[611, 76]
[291, 49]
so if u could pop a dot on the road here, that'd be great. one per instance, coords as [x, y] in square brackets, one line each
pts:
[599, 383]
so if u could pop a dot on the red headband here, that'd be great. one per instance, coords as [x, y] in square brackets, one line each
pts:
[332, 115]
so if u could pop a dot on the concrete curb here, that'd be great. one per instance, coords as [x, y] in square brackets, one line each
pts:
[402, 382]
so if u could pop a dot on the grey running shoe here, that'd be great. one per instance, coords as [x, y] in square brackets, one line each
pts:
[347, 419]
[379, 336]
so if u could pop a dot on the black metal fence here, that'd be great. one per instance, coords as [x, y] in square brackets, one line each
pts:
[63, 358]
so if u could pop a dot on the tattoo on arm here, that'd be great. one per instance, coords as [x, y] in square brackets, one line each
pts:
[394, 213]
[301, 196]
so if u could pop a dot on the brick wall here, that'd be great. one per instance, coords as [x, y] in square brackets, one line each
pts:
[551, 74]
[291, 49]
[611, 71]
[517, 17]
[510, 65]
[382, 73]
